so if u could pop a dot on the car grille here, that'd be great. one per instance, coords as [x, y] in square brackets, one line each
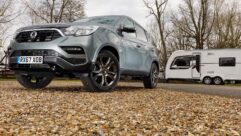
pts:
[38, 36]
[34, 53]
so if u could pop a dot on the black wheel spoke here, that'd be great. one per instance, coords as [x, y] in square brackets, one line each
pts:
[102, 80]
[111, 73]
[101, 61]
[106, 81]
[108, 62]
[97, 75]
[112, 77]
[155, 76]
[109, 65]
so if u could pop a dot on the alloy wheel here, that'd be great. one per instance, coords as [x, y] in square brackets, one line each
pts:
[105, 71]
[155, 76]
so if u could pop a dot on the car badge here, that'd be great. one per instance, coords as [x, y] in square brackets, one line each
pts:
[33, 35]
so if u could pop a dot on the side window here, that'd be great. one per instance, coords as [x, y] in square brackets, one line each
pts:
[129, 23]
[227, 62]
[141, 34]
[183, 62]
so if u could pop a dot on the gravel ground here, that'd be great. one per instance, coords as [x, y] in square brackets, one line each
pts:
[64, 108]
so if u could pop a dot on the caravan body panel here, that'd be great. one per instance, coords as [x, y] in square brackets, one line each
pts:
[198, 64]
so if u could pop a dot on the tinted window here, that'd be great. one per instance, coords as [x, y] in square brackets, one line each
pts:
[141, 34]
[128, 23]
[183, 62]
[227, 62]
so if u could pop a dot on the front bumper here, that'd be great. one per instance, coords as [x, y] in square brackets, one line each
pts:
[54, 64]
[55, 57]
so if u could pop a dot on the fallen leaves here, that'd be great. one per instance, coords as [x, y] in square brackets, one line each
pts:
[65, 108]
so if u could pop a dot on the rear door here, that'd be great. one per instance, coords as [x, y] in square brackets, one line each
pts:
[142, 48]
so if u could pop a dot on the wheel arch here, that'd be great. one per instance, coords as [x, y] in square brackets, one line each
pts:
[205, 77]
[157, 64]
[110, 48]
[219, 77]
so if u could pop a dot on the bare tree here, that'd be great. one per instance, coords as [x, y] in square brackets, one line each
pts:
[157, 9]
[196, 20]
[55, 11]
[6, 11]
[6, 17]
[227, 27]
[179, 41]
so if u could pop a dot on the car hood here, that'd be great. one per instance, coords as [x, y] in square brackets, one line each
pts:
[64, 25]
[58, 26]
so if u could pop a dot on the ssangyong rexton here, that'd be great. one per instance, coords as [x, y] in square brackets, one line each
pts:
[97, 49]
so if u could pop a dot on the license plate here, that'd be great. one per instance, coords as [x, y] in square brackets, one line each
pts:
[30, 60]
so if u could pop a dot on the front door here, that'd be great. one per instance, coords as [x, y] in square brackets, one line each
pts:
[131, 47]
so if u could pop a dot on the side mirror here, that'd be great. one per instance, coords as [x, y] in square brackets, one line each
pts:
[127, 29]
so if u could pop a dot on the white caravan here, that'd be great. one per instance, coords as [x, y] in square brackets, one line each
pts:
[209, 66]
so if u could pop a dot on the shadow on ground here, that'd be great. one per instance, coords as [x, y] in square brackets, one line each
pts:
[80, 89]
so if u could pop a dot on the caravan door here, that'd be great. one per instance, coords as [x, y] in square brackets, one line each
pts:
[196, 68]
[181, 68]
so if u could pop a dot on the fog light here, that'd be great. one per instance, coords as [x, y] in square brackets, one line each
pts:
[73, 50]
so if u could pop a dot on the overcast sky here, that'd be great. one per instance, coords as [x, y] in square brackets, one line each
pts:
[132, 8]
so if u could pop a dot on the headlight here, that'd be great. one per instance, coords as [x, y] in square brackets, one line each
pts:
[80, 30]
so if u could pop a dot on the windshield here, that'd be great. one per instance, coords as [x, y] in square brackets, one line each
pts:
[111, 20]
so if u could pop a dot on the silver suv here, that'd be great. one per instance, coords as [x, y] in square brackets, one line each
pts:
[97, 49]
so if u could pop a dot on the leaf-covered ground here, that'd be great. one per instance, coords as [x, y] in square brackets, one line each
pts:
[65, 108]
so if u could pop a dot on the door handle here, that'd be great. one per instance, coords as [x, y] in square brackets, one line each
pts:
[138, 46]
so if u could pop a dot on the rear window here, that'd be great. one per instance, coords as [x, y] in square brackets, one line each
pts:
[227, 62]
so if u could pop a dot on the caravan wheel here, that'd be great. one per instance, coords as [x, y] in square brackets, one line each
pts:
[218, 81]
[207, 80]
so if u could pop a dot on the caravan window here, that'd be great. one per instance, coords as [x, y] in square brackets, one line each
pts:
[227, 62]
[183, 62]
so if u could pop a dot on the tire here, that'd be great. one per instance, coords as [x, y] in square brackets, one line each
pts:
[36, 80]
[207, 80]
[151, 81]
[105, 73]
[218, 81]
